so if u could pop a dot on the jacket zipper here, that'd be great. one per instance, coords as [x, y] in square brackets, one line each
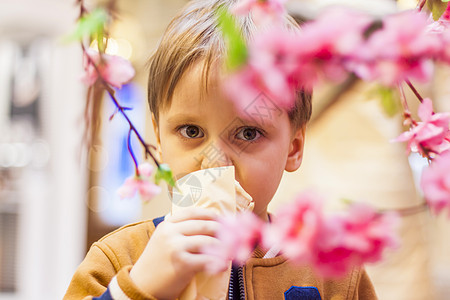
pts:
[240, 277]
[230, 287]
[241, 283]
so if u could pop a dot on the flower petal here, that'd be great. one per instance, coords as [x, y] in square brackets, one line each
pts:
[128, 189]
[145, 169]
[147, 190]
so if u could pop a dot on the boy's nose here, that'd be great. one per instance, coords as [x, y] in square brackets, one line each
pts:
[213, 156]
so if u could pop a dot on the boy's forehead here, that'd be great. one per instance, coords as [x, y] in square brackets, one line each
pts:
[196, 85]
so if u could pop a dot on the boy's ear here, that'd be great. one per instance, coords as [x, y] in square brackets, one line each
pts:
[158, 139]
[295, 155]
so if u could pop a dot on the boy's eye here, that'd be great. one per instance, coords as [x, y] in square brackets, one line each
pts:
[248, 134]
[191, 132]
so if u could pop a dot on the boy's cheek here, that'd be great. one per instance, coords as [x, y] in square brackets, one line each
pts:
[257, 184]
[181, 162]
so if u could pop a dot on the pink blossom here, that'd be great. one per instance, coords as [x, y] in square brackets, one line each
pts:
[288, 60]
[115, 70]
[401, 50]
[327, 44]
[439, 26]
[331, 244]
[264, 12]
[443, 27]
[141, 184]
[430, 135]
[441, 30]
[145, 170]
[242, 87]
[444, 55]
[360, 236]
[281, 61]
[270, 70]
[442, 24]
[446, 15]
[297, 228]
[238, 235]
[435, 183]
[274, 62]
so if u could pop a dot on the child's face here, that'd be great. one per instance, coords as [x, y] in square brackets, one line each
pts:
[202, 130]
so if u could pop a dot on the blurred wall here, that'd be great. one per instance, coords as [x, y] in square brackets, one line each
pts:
[42, 177]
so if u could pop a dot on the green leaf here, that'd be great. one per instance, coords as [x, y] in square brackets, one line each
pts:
[101, 40]
[236, 46]
[437, 7]
[388, 99]
[90, 25]
[164, 173]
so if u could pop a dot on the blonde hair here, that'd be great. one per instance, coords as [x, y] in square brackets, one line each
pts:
[193, 36]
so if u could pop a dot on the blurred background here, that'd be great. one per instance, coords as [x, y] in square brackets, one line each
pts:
[57, 196]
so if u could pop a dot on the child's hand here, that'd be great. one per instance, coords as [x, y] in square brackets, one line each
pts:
[172, 256]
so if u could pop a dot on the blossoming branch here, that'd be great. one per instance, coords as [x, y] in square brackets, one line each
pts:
[111, 72]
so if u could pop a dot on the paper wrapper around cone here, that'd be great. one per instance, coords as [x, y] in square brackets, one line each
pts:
[218, 190]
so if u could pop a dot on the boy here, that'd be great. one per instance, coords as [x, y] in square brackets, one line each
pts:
[190, 112]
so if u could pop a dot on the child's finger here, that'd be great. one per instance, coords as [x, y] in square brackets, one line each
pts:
[194, 244]
[198, 227]
[192, 213]
[199, 262]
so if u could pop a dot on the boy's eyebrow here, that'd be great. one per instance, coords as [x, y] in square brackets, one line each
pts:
[248, 121]
[182, 117]
[259, 121]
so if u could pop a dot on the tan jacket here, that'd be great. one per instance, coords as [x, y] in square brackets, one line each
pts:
[267, 278]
